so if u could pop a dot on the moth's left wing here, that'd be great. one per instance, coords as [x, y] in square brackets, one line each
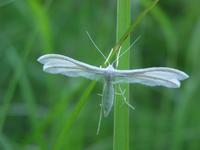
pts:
[156, 76]
[60, 64]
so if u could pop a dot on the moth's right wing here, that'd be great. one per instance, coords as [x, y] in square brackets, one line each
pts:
[155, 76]
[60, 64]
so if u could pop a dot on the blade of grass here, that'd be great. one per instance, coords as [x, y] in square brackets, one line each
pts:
[25, 86]
[193, 65]
[170, 37]
[166, 27]
[26, 90]
[182, 110]
[121, 114]
[7, 99]
[67, 125]
[131, 29]
[43, 23]
[192, 86]
[11, 85]
[15, 78]
[193, 49]
[55, 111]
[5, 143]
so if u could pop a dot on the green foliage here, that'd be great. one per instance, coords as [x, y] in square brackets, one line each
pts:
[121, 111]
[44, 111]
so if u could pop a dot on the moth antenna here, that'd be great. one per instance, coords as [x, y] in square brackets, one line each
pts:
[124, 98]
[107, 59]
[126, 49]
[118, 55]
[95, 45]
[99, 94]
[100, 118]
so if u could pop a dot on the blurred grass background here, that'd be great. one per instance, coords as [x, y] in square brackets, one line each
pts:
[37, 109]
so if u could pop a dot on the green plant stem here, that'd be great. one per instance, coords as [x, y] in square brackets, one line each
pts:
[131, 28]
[121, 111]
[42, 22]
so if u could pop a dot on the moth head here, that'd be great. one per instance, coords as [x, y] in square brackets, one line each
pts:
[110, 67]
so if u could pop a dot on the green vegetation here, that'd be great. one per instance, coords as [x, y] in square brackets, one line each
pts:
[121, 112]
[45, 111]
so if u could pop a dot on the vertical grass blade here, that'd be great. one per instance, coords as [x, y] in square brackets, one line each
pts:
[43, 23]
[121, 112]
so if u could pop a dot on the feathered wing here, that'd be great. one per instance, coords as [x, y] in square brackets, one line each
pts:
[156, 76]
[60, 64]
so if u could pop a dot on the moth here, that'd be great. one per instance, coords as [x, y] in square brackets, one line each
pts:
[155, 76]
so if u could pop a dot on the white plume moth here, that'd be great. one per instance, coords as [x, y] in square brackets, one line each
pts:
[155, 76]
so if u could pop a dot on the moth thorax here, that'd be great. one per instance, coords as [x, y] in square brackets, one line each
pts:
[109, 72]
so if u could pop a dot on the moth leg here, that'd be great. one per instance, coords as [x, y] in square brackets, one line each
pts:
[118, 93]
[100, 119]
[100, 94]
[122, 93]
[100, 115]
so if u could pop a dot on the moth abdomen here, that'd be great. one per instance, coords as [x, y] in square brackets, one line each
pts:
[108, 97]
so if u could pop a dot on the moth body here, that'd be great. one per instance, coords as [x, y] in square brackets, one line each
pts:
[108, 93]
[109, 71]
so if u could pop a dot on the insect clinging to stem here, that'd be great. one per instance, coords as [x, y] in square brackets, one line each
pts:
[154, 76]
